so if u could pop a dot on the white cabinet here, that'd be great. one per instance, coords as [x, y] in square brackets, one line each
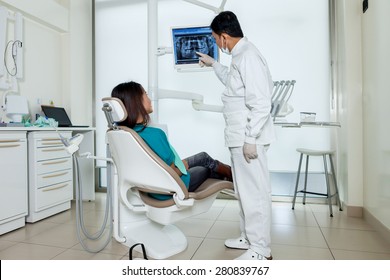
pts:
[36, 174]
[13, 180]
[50, 175]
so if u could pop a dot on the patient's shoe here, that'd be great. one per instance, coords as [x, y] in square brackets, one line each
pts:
[252, 255]
[237, 243]
[225, 171]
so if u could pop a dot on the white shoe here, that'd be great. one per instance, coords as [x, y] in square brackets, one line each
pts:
[252, 255]
[237, 243]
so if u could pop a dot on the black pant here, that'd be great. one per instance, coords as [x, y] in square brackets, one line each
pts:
[201, 167]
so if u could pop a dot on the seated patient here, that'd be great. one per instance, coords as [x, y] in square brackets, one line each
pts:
[193, 170]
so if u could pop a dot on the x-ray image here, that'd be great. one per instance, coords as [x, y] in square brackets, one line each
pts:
[187, 46]
[189, 40]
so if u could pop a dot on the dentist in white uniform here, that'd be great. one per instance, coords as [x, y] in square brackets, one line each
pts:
[249, 132]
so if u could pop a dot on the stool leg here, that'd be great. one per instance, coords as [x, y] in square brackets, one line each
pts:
[335, 182]
[329, 196]
[296, 184]
[304, 189]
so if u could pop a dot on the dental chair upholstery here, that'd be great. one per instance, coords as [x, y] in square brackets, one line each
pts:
[144, 219]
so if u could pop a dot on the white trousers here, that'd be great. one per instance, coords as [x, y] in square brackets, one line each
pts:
[253, 190]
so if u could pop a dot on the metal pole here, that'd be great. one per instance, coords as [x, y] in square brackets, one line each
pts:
[152, 56]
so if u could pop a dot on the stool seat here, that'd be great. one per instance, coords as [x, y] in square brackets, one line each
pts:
[315, 152]
[328, 195]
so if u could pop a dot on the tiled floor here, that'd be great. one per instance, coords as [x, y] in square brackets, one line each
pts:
[306, 233]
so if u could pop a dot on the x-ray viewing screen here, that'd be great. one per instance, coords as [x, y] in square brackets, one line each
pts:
[189, 40]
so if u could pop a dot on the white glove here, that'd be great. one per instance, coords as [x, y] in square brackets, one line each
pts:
[250, 151]
[205, 60]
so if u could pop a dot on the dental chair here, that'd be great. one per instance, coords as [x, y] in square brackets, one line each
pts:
[138, 217]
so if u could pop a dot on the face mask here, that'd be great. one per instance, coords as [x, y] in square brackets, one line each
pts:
[225, 49]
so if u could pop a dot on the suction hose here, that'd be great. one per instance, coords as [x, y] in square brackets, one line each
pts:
[80, 215]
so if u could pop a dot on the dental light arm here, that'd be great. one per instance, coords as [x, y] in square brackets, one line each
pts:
[216, 10]
[197, 100]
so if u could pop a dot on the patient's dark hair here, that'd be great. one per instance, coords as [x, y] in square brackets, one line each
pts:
[227, 22]
[131, 94]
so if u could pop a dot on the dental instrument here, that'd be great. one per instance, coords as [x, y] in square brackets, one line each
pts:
[281, 94]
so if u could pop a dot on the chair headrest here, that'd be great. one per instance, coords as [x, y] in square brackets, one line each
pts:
[117, 110]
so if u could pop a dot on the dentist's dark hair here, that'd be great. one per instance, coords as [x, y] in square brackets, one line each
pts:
[131, 94]
[226, 22]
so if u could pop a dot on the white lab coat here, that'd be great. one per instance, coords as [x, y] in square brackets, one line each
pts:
[247, 106]
[247, 97]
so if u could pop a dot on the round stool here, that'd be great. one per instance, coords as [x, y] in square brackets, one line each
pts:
[316, 153]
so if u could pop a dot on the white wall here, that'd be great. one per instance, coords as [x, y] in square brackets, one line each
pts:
[79, 97]
[292, 35]
[57, 55]
[362, 68]
[349, 102]
[376, 98]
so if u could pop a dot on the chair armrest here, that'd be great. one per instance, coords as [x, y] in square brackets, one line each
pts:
[183, 202]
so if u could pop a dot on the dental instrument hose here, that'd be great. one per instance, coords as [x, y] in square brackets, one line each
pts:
[80, 215]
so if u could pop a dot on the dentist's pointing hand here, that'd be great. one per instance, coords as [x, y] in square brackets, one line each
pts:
[205, 60]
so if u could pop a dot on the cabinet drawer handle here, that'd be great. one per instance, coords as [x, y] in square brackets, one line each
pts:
[55, 175]
[9, 146]
[55, 188]
[53, 150]
[52, 143]
[50, 139]
[54, 162]
[9, 140]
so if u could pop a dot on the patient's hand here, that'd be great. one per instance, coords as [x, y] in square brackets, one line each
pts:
[185, 164]
[177, 170]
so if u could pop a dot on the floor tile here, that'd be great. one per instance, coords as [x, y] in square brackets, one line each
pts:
[24, 251]
[298, 236]
[229, 214]
[324, 208]
[288, 205]
[67, 216]
[6, 244]
[305, 233]
[341, 220]
[355, 240]
[221, 202]
[289, 252]
[95, 219]
[113, 247]
[29, 231]
[64, 236]
[358, 255]
[232, 203]
[71, 254]
[195, 227]
[284, 216]
[193, 245]
[224, 230]
[214, 249]
[212, 214]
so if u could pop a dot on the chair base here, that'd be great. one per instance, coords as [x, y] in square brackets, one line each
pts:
[160, 241]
